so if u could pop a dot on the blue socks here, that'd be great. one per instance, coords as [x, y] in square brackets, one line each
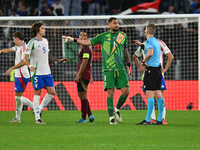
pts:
[161, 105]
[150, 102]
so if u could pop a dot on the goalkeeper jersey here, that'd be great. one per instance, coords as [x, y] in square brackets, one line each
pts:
[39, 56]
[19, 55]
[112, 45]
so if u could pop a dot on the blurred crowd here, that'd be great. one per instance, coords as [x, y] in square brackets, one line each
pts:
[89, 7]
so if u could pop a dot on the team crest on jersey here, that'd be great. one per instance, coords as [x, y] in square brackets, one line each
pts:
[120, 38]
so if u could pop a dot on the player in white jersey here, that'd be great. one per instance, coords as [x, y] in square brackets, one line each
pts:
[38, 53]
[22, 75]
[164, 50]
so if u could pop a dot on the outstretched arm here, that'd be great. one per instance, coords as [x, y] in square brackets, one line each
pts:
[68, 39]
[6, 50]
[21, 63]
[51, 57]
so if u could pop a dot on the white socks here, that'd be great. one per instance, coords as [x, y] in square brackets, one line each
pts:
[18, 107]
[36, 109]
[164, 113]
[46, 100]
[26, 102]
[153, 115]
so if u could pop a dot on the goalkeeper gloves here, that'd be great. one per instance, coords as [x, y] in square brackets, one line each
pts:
[129, 68]
[68, 39]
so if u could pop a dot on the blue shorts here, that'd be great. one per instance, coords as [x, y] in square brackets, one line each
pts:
[20, 84]
[163, 85]
[41, 81]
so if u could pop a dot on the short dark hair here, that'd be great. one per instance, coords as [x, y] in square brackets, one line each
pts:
[19, 35]
[36, 28]
[111, 19]
[151, 29]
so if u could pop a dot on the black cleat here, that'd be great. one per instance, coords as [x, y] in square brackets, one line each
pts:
[157, 123]
[112, 121]
[144, 122]
[39, 121]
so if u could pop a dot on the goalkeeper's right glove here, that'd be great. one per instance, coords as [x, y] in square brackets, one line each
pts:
[68, 39]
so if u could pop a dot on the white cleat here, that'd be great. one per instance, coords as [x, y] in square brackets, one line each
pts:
[14, 120]
[112, 121]
[117, 115]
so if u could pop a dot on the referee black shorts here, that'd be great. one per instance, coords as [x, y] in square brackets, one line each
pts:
[152, 78]
[82, 85]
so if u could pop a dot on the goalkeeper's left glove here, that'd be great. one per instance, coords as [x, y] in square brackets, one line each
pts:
[129, 68]
[68, 39]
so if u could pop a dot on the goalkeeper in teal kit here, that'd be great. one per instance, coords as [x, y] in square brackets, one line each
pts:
[114, 54]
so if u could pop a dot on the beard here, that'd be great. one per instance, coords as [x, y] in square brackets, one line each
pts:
[115, 30]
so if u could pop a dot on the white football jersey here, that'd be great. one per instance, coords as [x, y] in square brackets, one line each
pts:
[19, 55]
[164, 50]
[39, 56]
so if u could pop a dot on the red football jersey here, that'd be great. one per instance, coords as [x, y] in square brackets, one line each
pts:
[87, 73]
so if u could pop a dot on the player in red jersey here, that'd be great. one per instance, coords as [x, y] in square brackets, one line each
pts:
[83, 78]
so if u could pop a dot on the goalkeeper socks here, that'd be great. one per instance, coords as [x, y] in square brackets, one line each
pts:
[18, 107]
[153, 115]
[26, 102]
[83, 108]
[46, 100]
[121, 101]
[88, 108]
[150, 107]
[36, 109]
[110, 106]
[160, 108]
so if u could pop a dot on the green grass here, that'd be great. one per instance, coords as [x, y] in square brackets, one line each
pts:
[61, 132]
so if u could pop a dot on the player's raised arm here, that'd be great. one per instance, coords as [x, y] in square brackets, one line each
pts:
[68, 39]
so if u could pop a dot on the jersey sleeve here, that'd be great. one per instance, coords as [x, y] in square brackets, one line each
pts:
[24, 49]
[14, 48]
[166, 50]
[126, 42]
[29, 47]
[138, 52]
[164, 47]
[86, 52]
[97, 39]
[148, 45]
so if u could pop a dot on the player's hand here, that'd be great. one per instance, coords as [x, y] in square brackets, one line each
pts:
[63, 59]
[77, 79]
[141, 69]
[32, 69]
[164, 70]
[129, 68]
[137, 42]
[69, 39]
[9, 71]
[91, 81]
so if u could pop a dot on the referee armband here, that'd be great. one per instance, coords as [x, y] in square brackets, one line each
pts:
[86, 55]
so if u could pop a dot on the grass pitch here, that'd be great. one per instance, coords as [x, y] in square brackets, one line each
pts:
[61, 132]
